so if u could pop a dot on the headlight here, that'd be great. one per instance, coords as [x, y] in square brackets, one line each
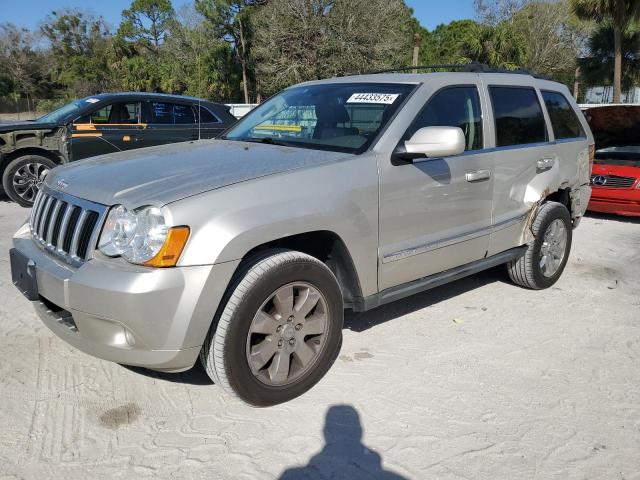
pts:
[139, 236]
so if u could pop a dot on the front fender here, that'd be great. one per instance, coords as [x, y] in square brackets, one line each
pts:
[341, 198]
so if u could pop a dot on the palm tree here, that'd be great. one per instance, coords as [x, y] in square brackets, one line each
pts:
[620, 13]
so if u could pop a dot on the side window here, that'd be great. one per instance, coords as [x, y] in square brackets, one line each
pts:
[564, 121]
[99, 116]
[453, 107]
[115, 113]
[161, 113]
[183, 114]
[518, 116]
[207, 117]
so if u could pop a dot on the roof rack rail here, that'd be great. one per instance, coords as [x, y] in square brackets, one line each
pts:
[472, 67]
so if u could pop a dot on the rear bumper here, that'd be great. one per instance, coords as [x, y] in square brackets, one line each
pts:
[618, 202]
[149, 317]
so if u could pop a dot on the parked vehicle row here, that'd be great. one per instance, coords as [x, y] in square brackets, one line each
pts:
[343, 193]
[100, 124]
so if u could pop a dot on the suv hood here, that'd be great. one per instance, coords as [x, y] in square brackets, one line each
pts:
[164, 174]
[614, 125]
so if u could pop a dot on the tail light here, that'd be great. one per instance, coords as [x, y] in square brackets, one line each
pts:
[592, 155]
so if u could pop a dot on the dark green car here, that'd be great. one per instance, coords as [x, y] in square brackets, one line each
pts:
[100, 124]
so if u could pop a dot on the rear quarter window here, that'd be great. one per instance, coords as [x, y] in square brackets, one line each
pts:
[564, 120]
[518, 116]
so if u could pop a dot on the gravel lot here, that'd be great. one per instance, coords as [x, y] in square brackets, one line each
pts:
[477, 379]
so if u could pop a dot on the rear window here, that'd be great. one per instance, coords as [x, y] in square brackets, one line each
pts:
[518, 116]
[564, 121]
[207, 117]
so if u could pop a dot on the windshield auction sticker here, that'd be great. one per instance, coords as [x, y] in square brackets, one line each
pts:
[383, 98]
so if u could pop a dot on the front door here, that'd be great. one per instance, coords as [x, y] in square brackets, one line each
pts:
[436, 214]
[110, 128]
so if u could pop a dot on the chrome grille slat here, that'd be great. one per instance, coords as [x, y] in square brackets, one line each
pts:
[65, 225]
[73, 251]
[34, 209]
[52, 222]
[43, 217]
[36, 212]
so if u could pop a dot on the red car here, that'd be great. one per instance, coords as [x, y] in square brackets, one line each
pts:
[615, 178]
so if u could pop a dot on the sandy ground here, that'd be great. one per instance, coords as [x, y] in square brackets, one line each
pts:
[477, 379]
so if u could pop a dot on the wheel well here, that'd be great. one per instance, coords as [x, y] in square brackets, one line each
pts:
[327, 247]
[6, 159]
[562, 196]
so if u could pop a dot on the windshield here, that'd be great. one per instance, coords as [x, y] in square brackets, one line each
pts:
[343, 117]
[625, 155]
[67, 111]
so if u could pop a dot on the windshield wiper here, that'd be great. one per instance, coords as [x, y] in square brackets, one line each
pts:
[267, 140]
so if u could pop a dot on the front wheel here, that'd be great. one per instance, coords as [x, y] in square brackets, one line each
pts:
[23, 176]
[545, 258]
[280, 330]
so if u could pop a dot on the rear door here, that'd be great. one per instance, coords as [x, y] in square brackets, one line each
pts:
[522, 145]
[170, 122]
[110, 128]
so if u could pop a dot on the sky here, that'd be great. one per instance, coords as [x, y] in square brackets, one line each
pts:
[29, 13]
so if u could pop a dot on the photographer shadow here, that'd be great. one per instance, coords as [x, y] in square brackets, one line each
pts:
[344, 455]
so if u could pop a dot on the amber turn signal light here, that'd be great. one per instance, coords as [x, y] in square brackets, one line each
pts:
[170, 252]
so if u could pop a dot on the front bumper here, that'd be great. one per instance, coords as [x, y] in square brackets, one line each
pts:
[133, 315]
[618, 202]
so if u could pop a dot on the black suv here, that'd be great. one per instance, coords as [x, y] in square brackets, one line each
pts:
[100, 124]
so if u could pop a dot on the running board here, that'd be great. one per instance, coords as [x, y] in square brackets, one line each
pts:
[411, 288]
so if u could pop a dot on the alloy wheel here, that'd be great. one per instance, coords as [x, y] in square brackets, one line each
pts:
[287, 334]
[553, 249]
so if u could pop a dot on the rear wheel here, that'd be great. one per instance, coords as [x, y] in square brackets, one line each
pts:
[279, 332]
[545, 258]
[23, 176]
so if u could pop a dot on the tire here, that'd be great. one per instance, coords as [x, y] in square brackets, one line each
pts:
[542, 264]
[265, 349]
[22, 177]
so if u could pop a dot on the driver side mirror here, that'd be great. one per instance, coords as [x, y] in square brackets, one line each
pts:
[432, 142]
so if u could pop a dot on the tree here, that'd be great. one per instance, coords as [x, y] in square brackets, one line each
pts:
[231, 20]
[136, 51]
[147, 23]
[499, 46]
[447, 44]
[298, 40]
[197, 62]
[78, 43]
[23, 65]
[553, 37]
[598, 66]
[494, 12]
[620, 13]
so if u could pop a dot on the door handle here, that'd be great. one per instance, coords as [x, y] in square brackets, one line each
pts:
[545, 164]
[477, 175]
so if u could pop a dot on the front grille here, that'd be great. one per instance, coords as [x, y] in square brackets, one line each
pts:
[612, 181]
[66, 226]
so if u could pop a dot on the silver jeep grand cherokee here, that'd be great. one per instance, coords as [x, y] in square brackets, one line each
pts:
[344, 193]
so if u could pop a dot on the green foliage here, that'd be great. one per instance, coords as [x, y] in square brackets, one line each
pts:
[147, 23]
[298, 40]
[78, 46]
[597, 68]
